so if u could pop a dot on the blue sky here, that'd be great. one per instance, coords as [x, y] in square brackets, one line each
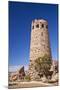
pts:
[20, 18]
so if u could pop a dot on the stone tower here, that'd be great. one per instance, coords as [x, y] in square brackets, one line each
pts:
[39, 45]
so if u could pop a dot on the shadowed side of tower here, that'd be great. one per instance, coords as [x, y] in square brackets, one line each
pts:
[39, 45]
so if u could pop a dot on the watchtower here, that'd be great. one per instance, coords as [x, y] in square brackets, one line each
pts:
[39, 44]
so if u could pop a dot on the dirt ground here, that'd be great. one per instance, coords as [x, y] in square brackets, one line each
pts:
[29, 84]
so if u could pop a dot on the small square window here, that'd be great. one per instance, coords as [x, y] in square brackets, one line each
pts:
[41, 33]
[37, 26]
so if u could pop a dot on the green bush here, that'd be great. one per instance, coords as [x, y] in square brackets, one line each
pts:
[43, 64]
[27, 78]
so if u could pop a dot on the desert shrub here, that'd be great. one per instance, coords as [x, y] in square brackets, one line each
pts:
[27, 78]
[43, 64]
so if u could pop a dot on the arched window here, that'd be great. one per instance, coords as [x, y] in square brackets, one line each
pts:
[32, 27]
[46, 26]
[42, 25]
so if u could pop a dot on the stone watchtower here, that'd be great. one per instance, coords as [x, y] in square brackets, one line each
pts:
[39, 45]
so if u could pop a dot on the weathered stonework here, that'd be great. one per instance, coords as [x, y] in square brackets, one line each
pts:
[39, 43]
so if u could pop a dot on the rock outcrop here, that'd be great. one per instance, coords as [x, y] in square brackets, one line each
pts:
[18, 75]
[21, 73]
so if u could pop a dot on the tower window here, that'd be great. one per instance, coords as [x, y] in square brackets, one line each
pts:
[46, 26]
[30, 60]
[41, 33]
[42, 25]
[37, 26]
[32, 27]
